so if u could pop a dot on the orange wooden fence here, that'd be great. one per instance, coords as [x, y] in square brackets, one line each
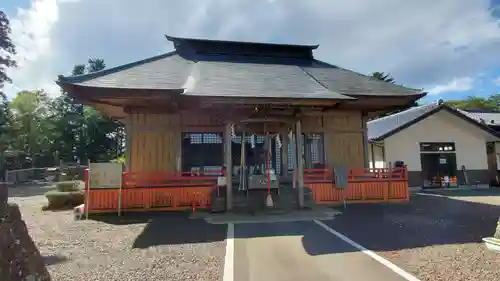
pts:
[186, 190]
[365, 185]
[153, 191]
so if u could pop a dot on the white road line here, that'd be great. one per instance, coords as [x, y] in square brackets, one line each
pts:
[430, 194]
[378, 258]
[229, 258]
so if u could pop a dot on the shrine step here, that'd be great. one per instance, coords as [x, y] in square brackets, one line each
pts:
[255, 201]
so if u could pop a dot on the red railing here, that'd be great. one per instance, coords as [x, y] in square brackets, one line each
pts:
[170, 179]
[365, 185]
[323, 175]
[188, 190]
[377, 174]
[151, 191]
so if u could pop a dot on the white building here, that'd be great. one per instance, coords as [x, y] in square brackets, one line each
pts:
[436, 141]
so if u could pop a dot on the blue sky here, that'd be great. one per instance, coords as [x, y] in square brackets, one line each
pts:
[450, 48]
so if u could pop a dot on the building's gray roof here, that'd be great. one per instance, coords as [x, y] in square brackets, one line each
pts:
[384, 127]
[167, 71]
[255, 80]
[488, 118]
[257, 70]
[380, 127]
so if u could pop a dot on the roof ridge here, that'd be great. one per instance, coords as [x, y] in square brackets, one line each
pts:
[174, 38]
[368, 76]
[88, 76]
[321, 84]
[403, 112]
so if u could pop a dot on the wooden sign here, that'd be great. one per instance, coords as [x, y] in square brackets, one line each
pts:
[105, 175]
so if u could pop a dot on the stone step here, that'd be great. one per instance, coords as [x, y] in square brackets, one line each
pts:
[287, 199]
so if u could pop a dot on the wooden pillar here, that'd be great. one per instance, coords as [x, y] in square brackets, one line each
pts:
[294, 157]
[383, 156]
[372, 147]
[300, 162]
[128, 144]
[229, 167]
[365, 141]
[284, 153]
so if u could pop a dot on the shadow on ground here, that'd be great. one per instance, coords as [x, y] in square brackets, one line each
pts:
[424, 221]
[53, 260]
[168, 228]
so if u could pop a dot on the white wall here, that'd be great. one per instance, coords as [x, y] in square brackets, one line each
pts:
[378, 153]
[470, 141]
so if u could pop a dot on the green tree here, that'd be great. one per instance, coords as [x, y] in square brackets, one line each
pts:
[386, 77]
[7, 51]
[478, 103]
[32, 129]
[86, 134]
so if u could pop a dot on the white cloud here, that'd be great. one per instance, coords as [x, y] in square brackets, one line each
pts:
[35, 57]
[420, 43]
[497, 81]
[455, 85]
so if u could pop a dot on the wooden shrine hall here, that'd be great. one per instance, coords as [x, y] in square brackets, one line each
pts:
[213, 120]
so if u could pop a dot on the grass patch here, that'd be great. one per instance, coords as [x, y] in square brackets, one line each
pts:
[63, 200]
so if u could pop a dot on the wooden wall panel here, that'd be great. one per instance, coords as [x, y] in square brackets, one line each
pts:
[312, 124]
[155, 142]
[156, 138]
[344, 142]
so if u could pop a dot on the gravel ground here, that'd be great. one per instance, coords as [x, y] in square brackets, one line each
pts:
[434, 238]
[157, 247]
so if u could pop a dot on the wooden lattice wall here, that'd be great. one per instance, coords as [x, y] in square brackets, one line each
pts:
[156, 138]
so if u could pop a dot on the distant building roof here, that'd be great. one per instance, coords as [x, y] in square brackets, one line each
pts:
[382, 128]
[490, 118]
[243, 69]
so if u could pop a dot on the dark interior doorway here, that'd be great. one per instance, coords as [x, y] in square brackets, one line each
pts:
[439, 162]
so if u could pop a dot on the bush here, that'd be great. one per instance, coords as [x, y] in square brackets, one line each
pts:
[66, 186]
[63, 200]
[120, 159]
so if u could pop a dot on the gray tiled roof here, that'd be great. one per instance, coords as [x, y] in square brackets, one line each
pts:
[489, 118]
[233, 74]
[348, 82]
[168, 71]
[385, 125]
[255, 80]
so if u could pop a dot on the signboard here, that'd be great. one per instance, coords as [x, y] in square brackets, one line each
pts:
[341, 176]
[105, 175]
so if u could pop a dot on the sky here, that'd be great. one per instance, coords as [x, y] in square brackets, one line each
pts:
[449, 48]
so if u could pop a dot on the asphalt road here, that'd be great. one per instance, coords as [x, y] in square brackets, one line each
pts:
[298, 251]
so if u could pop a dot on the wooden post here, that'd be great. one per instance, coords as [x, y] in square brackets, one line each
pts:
[294, 158]
[373, 156]
[300, 163]
[284, 153]
[229, 167]
[128, 143]
[365, 142]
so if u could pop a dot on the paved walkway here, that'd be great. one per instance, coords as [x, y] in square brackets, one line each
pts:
[298, 251]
